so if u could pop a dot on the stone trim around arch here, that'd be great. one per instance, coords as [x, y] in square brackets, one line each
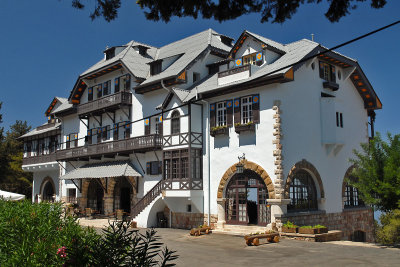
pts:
[304, 164]
[44, 182]
[249, 166]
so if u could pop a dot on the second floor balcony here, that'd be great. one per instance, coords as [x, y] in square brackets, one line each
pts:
[45, 158]
[105, 103]
[122, 147]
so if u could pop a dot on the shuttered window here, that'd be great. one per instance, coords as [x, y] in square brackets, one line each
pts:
[221, 113]
[175, 123]
[154, 167]
[246, 109]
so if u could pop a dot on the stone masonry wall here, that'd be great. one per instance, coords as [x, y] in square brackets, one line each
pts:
[186, 220]
[348, 221]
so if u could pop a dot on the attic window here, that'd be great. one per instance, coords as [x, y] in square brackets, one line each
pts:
[142, 50]
[196, 76]
[226, 40]
[155, 67]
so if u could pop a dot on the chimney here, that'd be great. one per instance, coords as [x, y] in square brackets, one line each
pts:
[312, 37]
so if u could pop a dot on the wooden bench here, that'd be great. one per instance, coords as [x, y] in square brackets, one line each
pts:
[255, 239]
[199, 230]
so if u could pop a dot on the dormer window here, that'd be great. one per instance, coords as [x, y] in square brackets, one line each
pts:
[327, 72]
[155, 67]
[110, 53]
[253, 59]
[196, 76]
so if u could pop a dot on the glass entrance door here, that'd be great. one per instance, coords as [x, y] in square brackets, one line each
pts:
[246, 196]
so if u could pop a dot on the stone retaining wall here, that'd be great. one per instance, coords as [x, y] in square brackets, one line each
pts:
[348, 221]
[186, 220]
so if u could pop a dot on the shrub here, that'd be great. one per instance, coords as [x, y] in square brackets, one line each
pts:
[32, 234]
[389, 232]
[319, 226]
[306, 227]
[289, 224]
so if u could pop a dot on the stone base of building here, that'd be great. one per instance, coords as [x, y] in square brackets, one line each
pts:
[186, 220]
[349, 222]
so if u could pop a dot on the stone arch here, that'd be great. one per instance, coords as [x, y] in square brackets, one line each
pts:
[249, 166]
[46, 180]
[304, 165]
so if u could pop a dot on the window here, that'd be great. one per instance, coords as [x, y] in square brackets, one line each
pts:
[115, 131]
[176, 164]
[105, 133]
[99, 89]
[155, 67]
[71, 195]
[175, 122]
[303, 194]
[327, 72]
[89, 137]
[196, 76]
[159, 125]
[339, 119]
[247, 110]
[73, 140]
[196, 158]
[90, 93]
[352, 197]
[125, 82]
[106, 88]
[127, 132]
[221, 113]
[253, 59]
[154, 167]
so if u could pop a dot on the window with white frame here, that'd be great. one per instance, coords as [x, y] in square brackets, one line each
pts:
[247, 110]
[221, 113]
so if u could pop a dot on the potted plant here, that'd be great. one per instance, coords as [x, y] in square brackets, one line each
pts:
[250, 127]
[219, 130]
[308, 229]
[289, 227]
[321, 229]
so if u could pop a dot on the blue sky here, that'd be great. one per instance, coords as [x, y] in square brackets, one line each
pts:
[46, 44]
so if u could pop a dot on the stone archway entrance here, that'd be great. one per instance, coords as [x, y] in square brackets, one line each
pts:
[254, 186]
[122, 195]
[246, 195]
[48, 191]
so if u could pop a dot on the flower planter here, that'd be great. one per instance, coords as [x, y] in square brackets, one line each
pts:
[289, 229]
[245, 128]
[322, 230]
[309, 231]
[220, 131]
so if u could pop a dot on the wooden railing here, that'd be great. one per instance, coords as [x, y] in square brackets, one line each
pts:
[39, 159]
[233, 71]
[125, 145]
[147, 199]
[105, 102]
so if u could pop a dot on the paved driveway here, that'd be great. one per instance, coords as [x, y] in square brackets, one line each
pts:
[225, 250]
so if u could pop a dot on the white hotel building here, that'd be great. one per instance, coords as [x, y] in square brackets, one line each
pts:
[158, 131]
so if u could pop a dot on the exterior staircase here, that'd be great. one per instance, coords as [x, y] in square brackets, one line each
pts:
[150, 196]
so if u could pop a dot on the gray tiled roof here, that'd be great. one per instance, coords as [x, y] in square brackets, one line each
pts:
[64, 105]
[269, 42]
[294, 52]
[135, 62]
[103, 169]
[56, 126]
[189, 48]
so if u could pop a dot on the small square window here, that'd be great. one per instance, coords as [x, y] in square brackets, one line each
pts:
[189, 208]
[196, 76]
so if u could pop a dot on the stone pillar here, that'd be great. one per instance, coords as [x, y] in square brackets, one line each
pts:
[321, 203]
[108, 204]
[221, 213]
[278, 208]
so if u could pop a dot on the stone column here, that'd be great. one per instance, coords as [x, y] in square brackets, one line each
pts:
[278, 208]
[221, 213]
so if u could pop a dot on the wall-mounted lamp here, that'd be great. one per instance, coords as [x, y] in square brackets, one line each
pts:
[240, 166]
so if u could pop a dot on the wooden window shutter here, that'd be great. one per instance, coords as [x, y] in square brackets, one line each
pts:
[116, 85]
[147, 126]
[89, 136]
[256, 108]
[148, 168]
[212, 115]
[229, 113]
[237, 111]
[333, 74]
[90, 93]
[321, 70]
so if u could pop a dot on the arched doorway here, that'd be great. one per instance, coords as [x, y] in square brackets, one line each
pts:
[122, 195]
[48, 193]
[246, 195]
[95, 196]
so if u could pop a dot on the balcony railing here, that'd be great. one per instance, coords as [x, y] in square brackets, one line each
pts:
[105, 102]
[39, 159]
[141, 143]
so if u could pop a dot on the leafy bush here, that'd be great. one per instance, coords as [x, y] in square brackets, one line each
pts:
[42, 235]
[32, 234]
[307, 227]
[319, 226]
[289, 224]
[389, 232]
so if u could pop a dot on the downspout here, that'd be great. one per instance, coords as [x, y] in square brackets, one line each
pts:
[208, 158]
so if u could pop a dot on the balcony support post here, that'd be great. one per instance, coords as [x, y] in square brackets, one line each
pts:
[79, 187]
[139, 162]
[99, 121]
[111, 118]
[84, 123]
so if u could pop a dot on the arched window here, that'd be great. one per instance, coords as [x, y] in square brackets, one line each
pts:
[303, 194]
[351, 197]
[175, 122]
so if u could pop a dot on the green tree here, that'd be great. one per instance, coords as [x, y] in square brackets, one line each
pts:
[277, 10]
[378, 172]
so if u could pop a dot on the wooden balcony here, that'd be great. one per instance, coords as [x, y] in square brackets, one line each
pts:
[125, 146]
[39, 159]
[106, 103]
